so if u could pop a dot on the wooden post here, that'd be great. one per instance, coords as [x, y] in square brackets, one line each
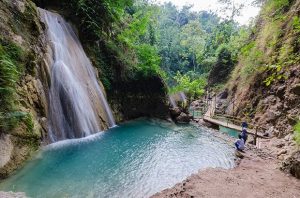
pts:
[255, 136]
[215, 104]
[233, 108]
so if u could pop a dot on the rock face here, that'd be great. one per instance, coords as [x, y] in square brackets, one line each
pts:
[183, 118]
[141, 97]
[179, 115]
[175, 112]
[21, 26]
[274, 104]
[292, 164]
[6, 149]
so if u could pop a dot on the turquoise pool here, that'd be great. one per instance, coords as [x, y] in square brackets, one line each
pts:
[135, 159]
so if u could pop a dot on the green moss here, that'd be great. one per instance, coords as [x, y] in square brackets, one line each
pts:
[296, 24]
[297, 133]
[11, 66]
[9, 74]
[252, 62]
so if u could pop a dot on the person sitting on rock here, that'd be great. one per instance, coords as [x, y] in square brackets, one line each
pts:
[244, 135]
[239, 143]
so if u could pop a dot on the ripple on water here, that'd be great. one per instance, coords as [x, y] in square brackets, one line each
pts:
[136, 159]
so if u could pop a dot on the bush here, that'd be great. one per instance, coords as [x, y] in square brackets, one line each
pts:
[297, 133]
[193, 87]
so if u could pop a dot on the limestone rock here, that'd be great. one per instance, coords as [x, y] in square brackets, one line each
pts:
[175, 112]
[183, 118]
[296, 89]
[292, 164]
[281, 91]
[239, 154]
[288, 137]
[224, 94]
[6, 148]
[283, 151]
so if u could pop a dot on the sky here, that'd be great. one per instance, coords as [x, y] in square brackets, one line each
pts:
[246, 14]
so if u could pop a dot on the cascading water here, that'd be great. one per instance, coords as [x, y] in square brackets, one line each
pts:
[77, 106]
[177, 97]
[182, 96]
[172, 102]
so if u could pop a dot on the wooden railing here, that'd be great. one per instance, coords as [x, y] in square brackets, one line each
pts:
[255, 130]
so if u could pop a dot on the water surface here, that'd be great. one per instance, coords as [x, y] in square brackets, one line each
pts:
[136, 159]
[231, 132]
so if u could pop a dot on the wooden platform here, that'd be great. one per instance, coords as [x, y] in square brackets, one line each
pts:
[231, 126]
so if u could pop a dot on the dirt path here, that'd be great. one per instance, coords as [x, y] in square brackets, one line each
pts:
[256, 176]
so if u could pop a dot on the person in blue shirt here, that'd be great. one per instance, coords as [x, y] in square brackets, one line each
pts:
[239, 143]
[244, 135]
[244, 125]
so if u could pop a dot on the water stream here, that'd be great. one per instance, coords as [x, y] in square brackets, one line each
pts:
[177, 97]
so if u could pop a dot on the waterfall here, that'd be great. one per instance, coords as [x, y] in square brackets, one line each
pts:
[172, 101]
[177, 97]
[77, 106]
[182, 96]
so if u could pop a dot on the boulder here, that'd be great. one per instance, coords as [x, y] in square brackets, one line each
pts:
[183, 118]
[239, 154]
[280, 92]
[292, 164]
[283, 151]
[175, 112]
[223, 95]
[296, 89]
[195, 103]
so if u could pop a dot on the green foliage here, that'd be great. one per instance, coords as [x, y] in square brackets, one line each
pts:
[166, 40]
[149, 60]
[252, 58]
[297, 133]
[223, 67]
[275, 74]
[247, 49]
[296, 24]
[193, 87]
[93, 17]
[140, 37]
[10, 69]
[275, 8]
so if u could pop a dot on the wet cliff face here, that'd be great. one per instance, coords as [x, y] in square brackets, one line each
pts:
[23, 43]
[142, 97]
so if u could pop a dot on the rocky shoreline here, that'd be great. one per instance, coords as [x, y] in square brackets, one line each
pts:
[12, 195]
[258, 174]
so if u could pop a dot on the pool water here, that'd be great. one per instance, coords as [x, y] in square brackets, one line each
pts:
[135, 159]
[230, 132]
